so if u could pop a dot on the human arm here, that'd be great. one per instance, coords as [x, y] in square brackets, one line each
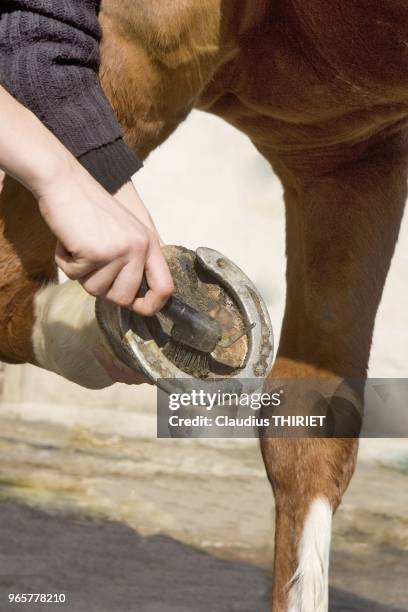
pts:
[102, 243]
[49, 62]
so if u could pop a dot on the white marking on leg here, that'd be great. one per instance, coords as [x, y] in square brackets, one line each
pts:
[309, 586]
[66, 332]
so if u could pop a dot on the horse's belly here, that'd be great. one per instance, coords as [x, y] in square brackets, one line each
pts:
[284, 93]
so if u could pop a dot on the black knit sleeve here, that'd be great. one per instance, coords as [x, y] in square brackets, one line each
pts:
[49, 61]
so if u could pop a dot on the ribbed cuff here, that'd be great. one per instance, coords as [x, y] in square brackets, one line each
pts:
[112, 164]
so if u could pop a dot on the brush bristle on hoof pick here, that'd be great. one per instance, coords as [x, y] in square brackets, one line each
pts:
[193, 337]
[215, 328]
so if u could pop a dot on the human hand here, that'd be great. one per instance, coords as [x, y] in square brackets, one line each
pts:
[101, 242]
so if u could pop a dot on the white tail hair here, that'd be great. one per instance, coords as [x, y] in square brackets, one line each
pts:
[309, 587]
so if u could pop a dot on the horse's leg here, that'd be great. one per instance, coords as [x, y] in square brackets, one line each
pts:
[50, 325]
[26, 263]
[341, 231]
[41, 322]
[54, 325]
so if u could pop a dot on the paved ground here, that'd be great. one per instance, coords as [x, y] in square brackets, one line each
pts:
[106, 567]
[185, 525]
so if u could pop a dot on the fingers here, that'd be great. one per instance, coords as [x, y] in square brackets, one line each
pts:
[119, 279]
[159, 281]
[75, 269]
[126, 285]
[65, 261]
[99, 281]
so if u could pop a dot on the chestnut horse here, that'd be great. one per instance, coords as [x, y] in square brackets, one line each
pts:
[321, 89]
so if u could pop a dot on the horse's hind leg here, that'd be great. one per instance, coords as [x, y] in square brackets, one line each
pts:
[341, 233]
[26, 264]
[41, 322]
[52, 325]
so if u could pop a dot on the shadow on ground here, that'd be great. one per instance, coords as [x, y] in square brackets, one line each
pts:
[106, 567]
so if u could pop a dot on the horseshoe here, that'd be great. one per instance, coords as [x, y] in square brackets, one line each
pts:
[131, 339]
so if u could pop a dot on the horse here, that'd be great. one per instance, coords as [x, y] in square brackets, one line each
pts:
[321, 89]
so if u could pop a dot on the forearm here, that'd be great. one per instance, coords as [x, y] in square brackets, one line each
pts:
[49, 61]
[28, 151]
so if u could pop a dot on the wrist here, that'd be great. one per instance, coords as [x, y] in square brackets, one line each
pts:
[130, 199]
[51, 173]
